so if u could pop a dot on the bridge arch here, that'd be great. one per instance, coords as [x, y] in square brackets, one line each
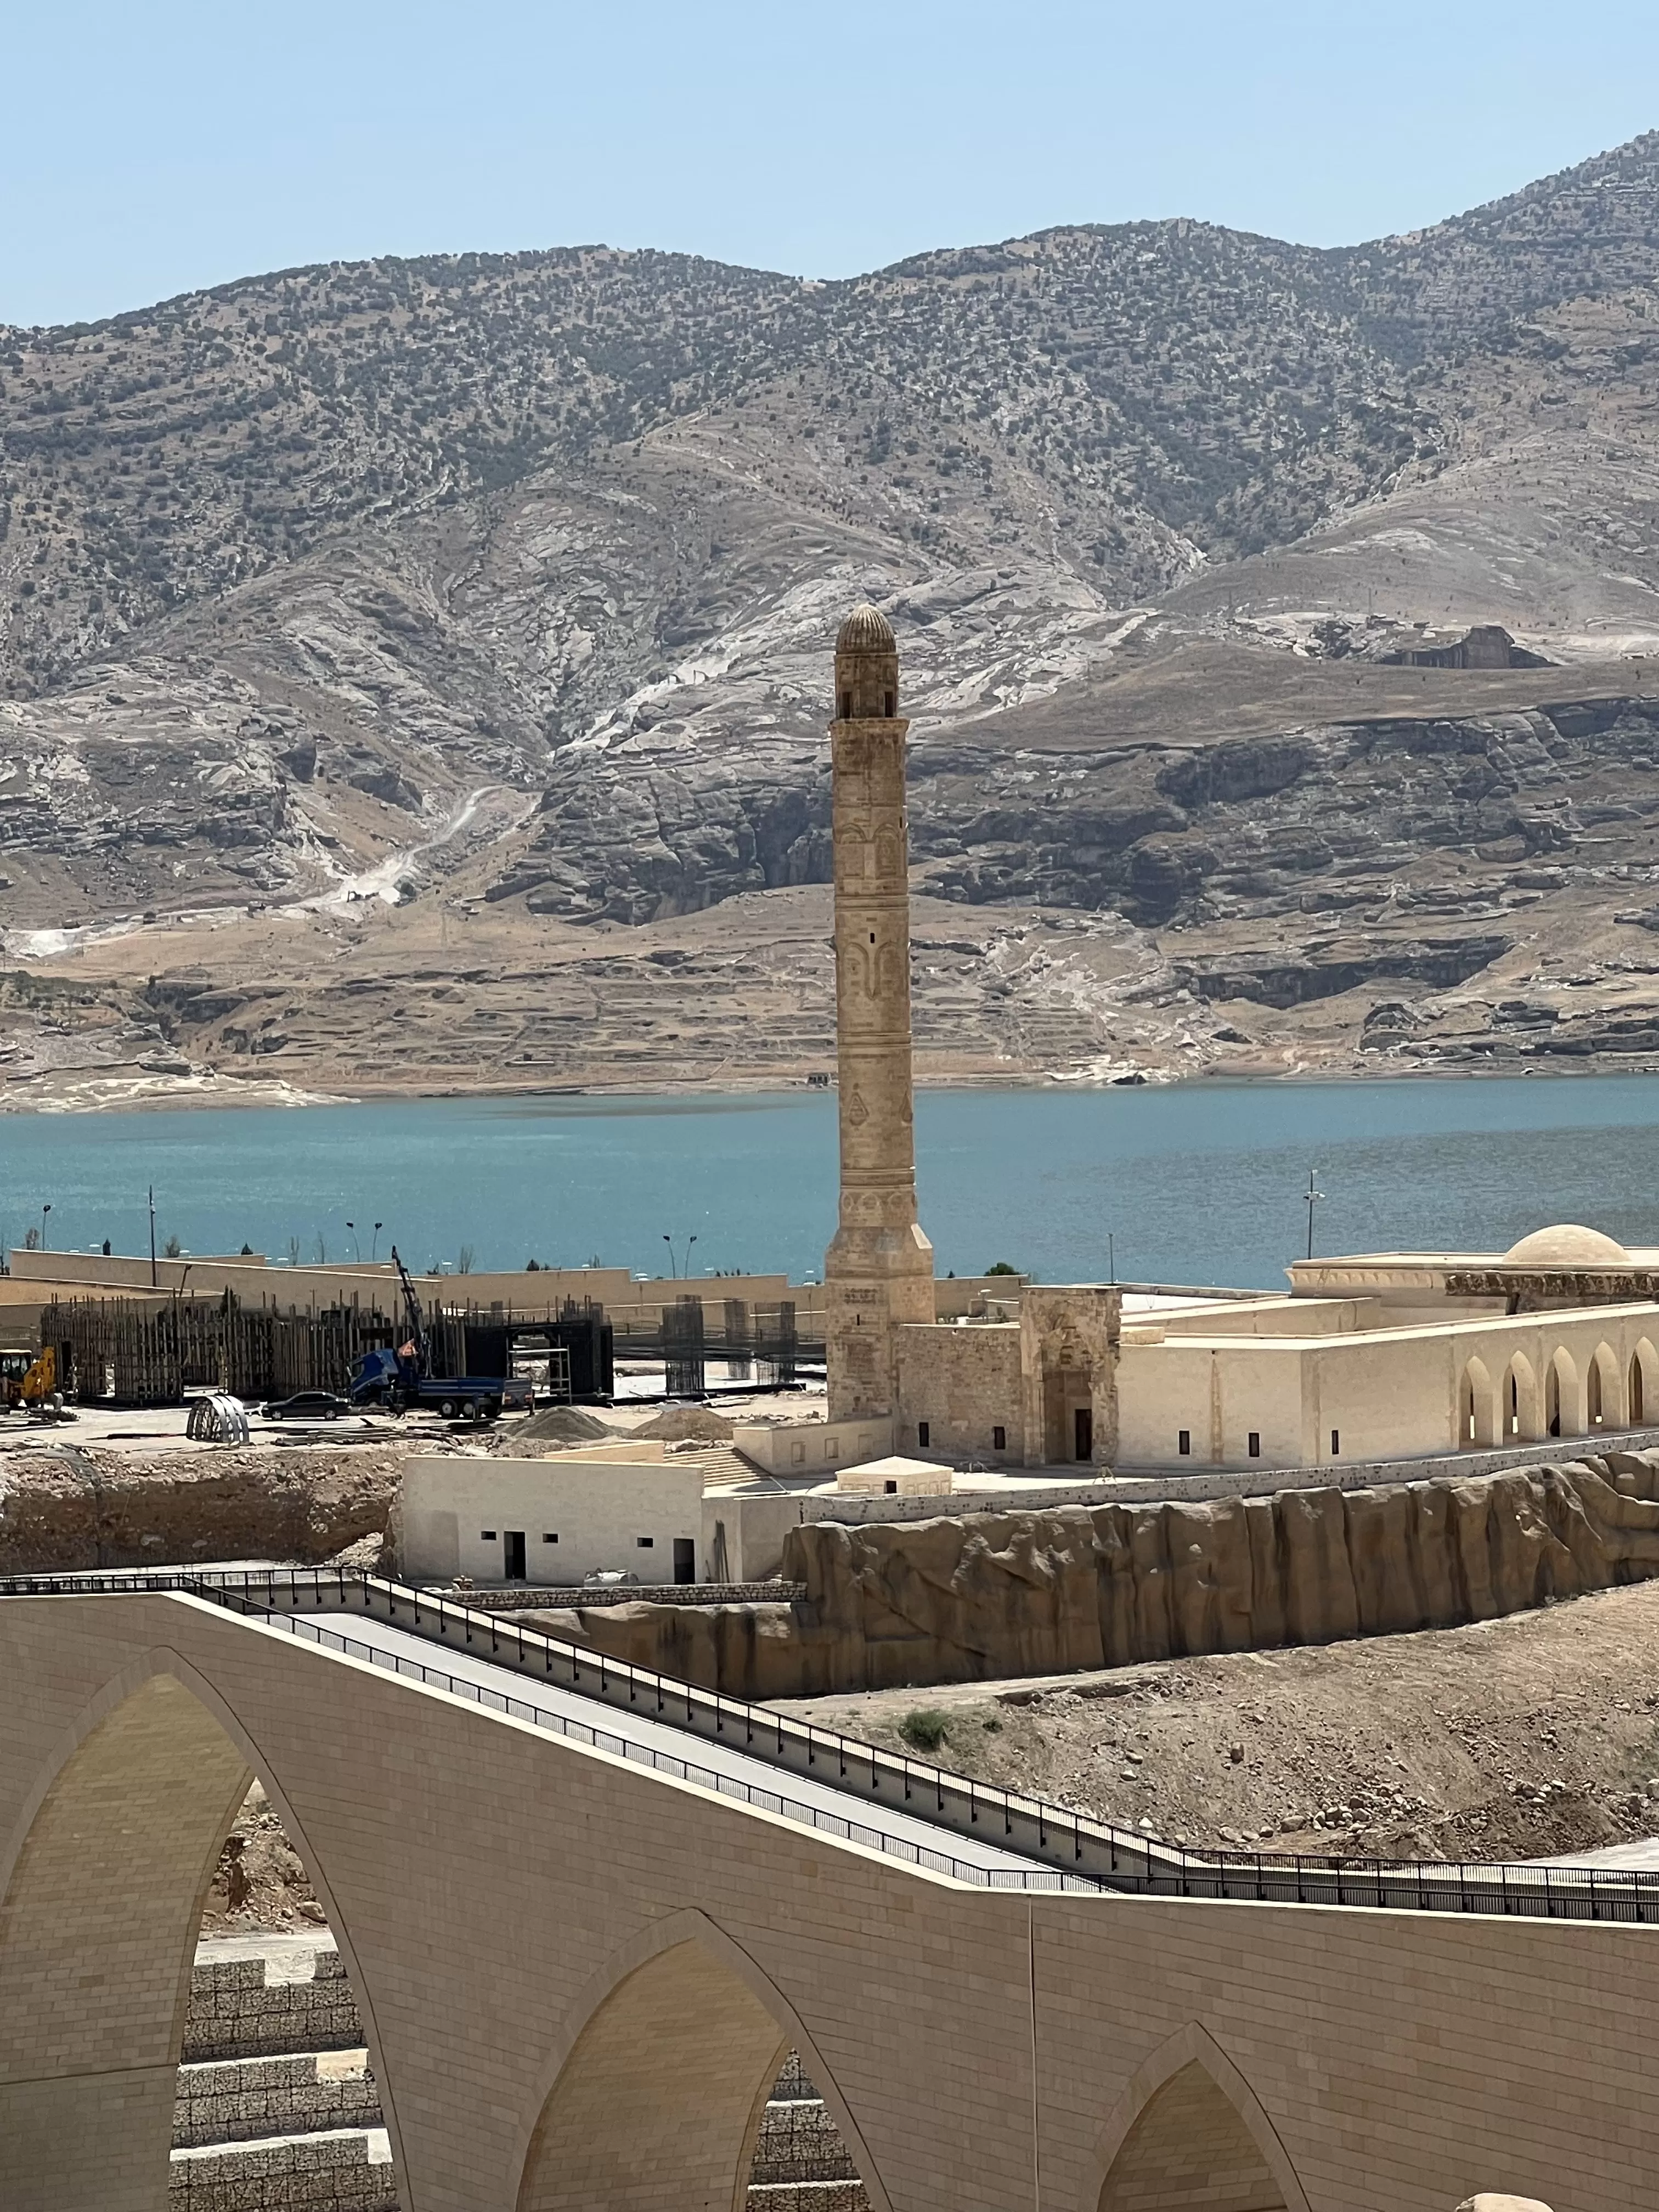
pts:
[1189, 2135]
[652, 2097]
[103, 1879]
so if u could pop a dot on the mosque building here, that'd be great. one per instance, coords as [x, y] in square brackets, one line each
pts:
[1378, 1358]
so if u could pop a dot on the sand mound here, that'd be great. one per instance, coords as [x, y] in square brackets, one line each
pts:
[689, 1425]
[558, 1424]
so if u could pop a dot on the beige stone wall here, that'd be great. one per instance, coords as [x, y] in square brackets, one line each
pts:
[1392, 1394]
[575, 1515]
[1068, 1366]
[973, 2047]
[962, 1385]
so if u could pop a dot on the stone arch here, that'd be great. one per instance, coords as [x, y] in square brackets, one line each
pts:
[652, 2097]
[102, 1883]
[1604, 1391]
[1643, 1375]
[1477, 1406]
[1519, 1415]
[1189, 2135]
[1562, 1415]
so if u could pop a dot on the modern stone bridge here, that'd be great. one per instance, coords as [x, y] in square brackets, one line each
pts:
[578, 1972]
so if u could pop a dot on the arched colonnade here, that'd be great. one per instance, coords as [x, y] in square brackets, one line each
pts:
[1520, 1403]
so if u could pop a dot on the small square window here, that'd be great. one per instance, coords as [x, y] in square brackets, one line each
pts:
[1184, 1444]
[486, 1535]
[999, 1439]
[923, 1431]
[890, 1488]
[551, 1539]
[1336, 1442]
[644, 1543]
[1255, 1443]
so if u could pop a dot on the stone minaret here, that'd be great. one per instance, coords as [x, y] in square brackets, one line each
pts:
[879, 1269]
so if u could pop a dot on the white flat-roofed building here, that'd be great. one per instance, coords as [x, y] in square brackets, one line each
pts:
[635, 1507]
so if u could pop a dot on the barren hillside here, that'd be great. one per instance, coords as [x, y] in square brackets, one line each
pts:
[373, 631]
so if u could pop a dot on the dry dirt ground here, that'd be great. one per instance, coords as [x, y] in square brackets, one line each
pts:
[1521, 1738]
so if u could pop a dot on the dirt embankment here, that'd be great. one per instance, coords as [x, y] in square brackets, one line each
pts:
[1519, 1738]
[77, 1507]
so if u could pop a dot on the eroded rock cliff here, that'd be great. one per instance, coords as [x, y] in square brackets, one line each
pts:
[986, 1595]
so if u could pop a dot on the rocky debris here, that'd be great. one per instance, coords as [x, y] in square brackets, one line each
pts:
[87, 1508]
[963, 1598]
[260, 1880]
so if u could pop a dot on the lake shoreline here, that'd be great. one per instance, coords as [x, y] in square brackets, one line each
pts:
[211, 1093]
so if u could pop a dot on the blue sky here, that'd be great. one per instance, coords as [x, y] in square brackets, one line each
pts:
[154, 145]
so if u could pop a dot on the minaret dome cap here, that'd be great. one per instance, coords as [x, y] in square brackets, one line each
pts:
[866, 629]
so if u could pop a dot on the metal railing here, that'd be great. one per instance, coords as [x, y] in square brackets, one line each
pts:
[1066, 1850]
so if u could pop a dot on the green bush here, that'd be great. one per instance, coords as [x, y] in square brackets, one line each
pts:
[926, 1728]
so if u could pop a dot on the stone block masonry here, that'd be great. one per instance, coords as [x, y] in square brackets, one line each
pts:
[534, 1928]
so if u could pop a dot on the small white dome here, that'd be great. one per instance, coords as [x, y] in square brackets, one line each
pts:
[1567, 1245]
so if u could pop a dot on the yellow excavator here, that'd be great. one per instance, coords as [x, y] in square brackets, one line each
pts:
[28, 1379]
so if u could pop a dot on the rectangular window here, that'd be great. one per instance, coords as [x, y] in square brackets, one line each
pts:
[644, 1543]
[999, 1439]
[890, 1488]
[1336, 1442]
[1255, 1443]
[551, 1539]
[1184, 1444]
[486, 1535]
[922, 1434]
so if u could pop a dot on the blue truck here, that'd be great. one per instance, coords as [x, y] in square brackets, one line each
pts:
[401, 1378]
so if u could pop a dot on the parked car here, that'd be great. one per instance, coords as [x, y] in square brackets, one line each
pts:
[608, 1578]
[305, 1406]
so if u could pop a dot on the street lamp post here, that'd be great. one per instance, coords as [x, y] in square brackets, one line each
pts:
[374, 1247]
[356, 1249]
[1313, 1197]
[152, 1236]
[672, 1269]
[44, 1211]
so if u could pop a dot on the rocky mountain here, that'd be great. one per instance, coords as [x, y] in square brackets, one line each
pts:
[353, 613]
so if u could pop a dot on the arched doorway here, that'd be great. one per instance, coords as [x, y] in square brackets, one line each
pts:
[1561, 1396]
[1603, 1399]
[668, 2096]
[104, 1891]
[1518, 1407]
[1191, 2151]
[1643, 1385]
[1477, 1422]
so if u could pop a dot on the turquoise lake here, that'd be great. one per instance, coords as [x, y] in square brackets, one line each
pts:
[1197, 1183]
